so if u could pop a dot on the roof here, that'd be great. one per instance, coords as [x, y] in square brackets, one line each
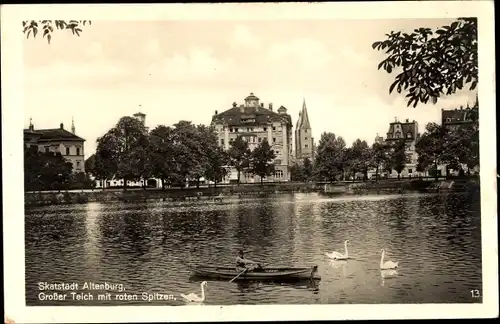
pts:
[250, 116]
[303, 121]
[406, 128]
[251, 97]
[47, 135]
[458, 115]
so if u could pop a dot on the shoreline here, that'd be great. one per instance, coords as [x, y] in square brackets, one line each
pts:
[218, 194]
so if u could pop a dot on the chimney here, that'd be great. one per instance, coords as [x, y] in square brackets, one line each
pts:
[407, 120]
[271, 106]
[216, 112]
[242, 108]
[62, 126]
[234, 104]
[261, 105]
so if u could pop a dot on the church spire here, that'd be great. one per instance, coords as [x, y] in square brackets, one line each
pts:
[304, 118]
[72, 125]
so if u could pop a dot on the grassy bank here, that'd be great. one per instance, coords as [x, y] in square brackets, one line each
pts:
[256, 190]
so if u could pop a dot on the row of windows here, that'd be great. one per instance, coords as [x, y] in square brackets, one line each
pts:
[47, 149]
[259, 140]
[248, 129]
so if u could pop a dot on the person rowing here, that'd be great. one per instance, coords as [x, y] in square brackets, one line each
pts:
[245, 264]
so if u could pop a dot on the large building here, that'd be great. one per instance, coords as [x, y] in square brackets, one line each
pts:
[454, 118]
[59, 140]
[304, 142]
[408, 131]
[255, 123]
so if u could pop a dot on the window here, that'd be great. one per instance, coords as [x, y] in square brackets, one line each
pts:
[265, 129]
[78, 164]
[231, 130]
[448, 120]
[278, 174]
[67, 151]
[274, 139]
[305, 131]
[222, 141]
[47, 149]
[77, 151]
[306, 146]
[260, 139]
[410, 171]
[236, 130]
[277, 152]
[274, 128]
[305, 138]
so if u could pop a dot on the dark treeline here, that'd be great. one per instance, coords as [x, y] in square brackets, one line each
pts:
[186, 152]
[183, 152]
[439, 145]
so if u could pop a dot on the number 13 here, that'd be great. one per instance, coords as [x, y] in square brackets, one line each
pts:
[475, 293]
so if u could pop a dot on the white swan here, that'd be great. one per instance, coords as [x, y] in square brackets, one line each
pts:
[339, 256]
[387, 264]
[194, 298]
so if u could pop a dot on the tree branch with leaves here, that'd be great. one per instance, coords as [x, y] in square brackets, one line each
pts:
[432, 64]
[47, 27]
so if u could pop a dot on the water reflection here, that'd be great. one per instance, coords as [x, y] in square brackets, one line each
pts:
[146, 247]
[387, 274]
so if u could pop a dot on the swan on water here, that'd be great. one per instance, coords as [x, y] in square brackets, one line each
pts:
[387, 264]
[339, 256]
[194, 298]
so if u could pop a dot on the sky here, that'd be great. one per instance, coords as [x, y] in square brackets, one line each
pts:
[175, 70]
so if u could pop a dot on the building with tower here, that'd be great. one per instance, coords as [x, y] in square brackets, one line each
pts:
[255, 123]
[58, 140]
[304, 141]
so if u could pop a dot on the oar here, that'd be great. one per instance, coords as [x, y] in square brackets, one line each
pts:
[239, 274]
[242, 272]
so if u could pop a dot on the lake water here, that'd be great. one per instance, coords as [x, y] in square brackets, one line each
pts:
[435, 238]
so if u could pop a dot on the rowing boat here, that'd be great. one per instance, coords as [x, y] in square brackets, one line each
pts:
[271, 273]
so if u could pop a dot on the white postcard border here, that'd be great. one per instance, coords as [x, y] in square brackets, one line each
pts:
[12, 155]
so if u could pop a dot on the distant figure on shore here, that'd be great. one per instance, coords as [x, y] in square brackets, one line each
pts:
[242, 263]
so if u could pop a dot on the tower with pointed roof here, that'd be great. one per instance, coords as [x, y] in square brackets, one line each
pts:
[73, 125]
[304, 142]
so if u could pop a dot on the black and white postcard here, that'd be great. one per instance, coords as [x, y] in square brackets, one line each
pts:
[249, 161]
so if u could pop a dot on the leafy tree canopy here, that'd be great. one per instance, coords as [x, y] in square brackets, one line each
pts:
[432, 63]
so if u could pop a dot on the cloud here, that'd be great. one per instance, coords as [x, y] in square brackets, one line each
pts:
[94, 50]
[243, 37]
[309, 53]
[152, 48]
[63, 72]
[197, 63]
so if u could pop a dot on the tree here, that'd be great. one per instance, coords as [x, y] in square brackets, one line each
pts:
[359, 158]
[307, 169]
[90, 164]
[239, 154]
[380, 157]
[32, 27]
[209, 144]
[262, 158]
[462, 147]
[296, 172]
[47, 170]
[218, 160]
[329, 162]
[431, 147]
[430, 63]
[162, 155]
[398, 157]
[190, 158]
[121, 151]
